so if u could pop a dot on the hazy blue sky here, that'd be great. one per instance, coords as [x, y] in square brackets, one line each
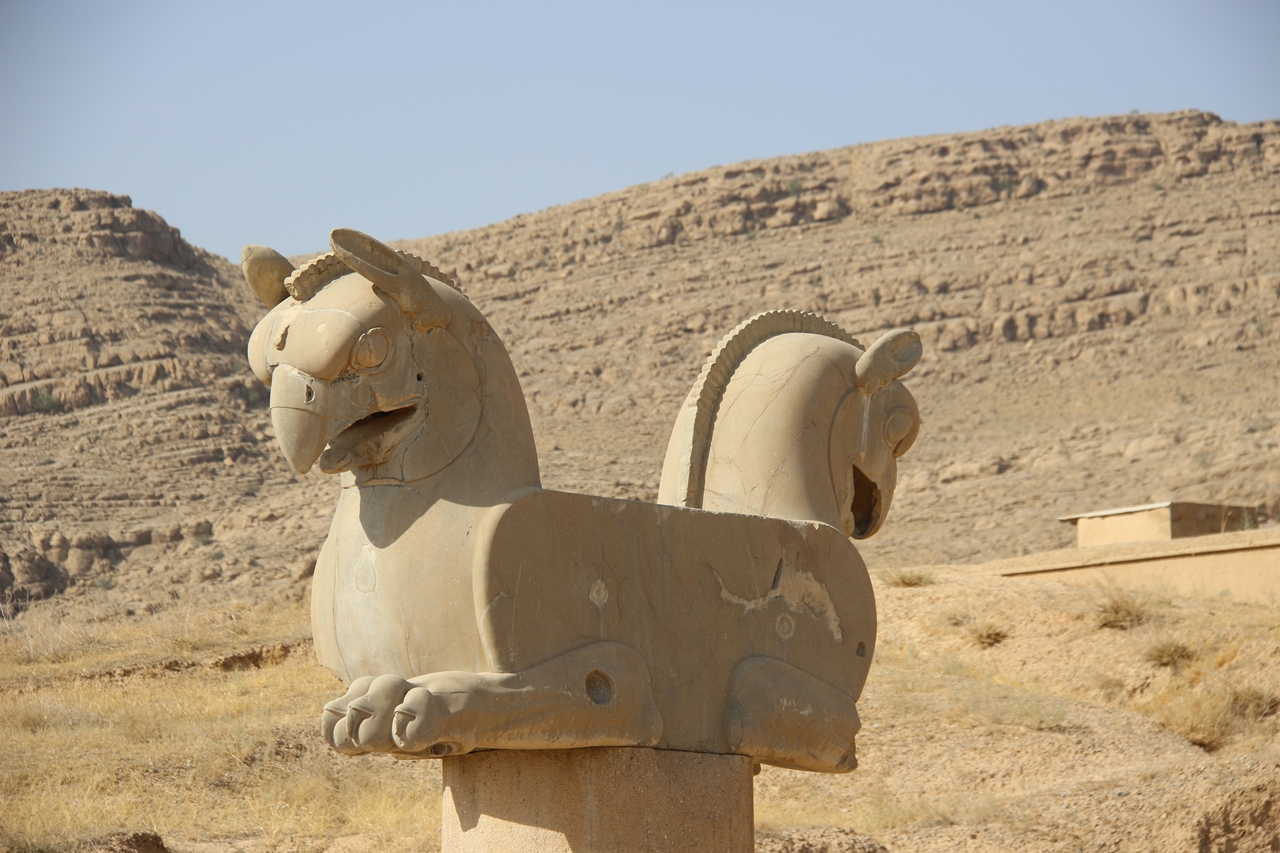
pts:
[274, 122]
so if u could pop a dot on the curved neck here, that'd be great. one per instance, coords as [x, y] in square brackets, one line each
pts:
[770, 445]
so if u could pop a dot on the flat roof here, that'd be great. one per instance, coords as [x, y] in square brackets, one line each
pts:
[1121, 511]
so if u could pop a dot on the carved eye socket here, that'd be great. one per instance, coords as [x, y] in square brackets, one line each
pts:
[372, 350]
[899, 426]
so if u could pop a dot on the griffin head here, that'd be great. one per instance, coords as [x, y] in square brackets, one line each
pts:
[355, 349]
[874, 426]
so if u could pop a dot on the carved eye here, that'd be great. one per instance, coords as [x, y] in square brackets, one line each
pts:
[372, 350]
[898, 427]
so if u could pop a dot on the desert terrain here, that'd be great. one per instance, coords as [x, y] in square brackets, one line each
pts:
[1100, 305]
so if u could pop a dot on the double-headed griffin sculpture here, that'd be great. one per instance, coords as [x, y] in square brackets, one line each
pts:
[469, 608]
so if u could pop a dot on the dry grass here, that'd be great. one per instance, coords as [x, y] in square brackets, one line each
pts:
[1169, 653]
[789, 799]
[989, 700]
[907, 577]
[1252, 704]
[1210, 714]
[988, 634]
[194, 754]
[984, 633]
[201, 755]
[1201, 716]
[883, 812]
[46, 641]
[198, 755]
[1122, 610]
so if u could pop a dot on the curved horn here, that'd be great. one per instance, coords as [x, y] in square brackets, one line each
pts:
[392, 274]
[890, 357]
[266, 269]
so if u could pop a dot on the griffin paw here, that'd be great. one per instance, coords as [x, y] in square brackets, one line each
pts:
[361, 720]
[419, 727]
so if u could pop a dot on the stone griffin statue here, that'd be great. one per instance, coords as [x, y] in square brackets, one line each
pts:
[469, 608]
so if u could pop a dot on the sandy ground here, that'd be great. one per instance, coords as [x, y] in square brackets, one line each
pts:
[1099, 300]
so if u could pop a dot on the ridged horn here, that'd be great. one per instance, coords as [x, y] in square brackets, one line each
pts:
[266, 269]
[890, 357]
[393, 275]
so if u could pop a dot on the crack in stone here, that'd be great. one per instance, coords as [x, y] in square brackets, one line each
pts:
[799, 590]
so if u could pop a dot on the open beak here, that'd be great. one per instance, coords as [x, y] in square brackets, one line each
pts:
[868, 505]
[306, 412]
[333, 422]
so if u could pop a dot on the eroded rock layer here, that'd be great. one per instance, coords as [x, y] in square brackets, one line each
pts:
[125, 403]
[1099, 298]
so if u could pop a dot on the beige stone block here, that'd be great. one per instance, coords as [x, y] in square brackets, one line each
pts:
[602, 800]
[1239, 566]
[1159, 522]
[1147, 526]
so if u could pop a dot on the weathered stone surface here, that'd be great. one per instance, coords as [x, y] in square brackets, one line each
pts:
[468, 608]
[606, 800]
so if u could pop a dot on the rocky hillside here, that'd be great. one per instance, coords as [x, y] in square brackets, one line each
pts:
[127, 418]
[1099, 300]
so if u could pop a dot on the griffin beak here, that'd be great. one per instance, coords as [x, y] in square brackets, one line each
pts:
[302, 436]
[302, 413]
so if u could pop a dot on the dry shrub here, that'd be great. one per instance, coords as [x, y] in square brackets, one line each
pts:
[983, 632]
[1208, 715]
[986, 634]
[1252, 704]
[1169, 653]
[1201, 716]
[907, 577]
[1122, 610]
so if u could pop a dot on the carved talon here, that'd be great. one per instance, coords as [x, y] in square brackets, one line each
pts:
[369, 717]
[418, 722]
[399, 728]
[355, 716]
[333, 723]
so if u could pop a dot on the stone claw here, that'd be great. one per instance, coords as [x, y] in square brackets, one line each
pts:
[400, 727]
[418, 726]
[333, 722]
[355, 716]
[361, 720]
[603, 690]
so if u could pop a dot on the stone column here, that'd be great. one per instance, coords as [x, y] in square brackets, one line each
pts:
[597, 800]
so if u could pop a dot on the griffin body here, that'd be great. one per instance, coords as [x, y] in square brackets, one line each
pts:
[469, 608]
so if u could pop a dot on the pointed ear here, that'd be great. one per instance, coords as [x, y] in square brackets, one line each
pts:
[393, 275]
[266, 269]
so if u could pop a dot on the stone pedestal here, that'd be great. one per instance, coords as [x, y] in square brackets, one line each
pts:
[598, 800]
